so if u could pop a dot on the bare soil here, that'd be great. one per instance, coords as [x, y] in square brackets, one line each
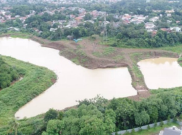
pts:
[91, 54]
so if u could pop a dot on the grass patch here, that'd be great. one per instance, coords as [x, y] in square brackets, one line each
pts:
[17, 35]
[35, 81]
[118, 57]
[176, 49]
[108, 50]
[76, 61]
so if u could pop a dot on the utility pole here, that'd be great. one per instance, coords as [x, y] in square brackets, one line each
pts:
[105, 26]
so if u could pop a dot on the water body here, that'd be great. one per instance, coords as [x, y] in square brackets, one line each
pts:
[74, 82]
[161, 72]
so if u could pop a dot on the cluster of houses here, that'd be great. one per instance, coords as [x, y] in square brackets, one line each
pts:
[75, 20]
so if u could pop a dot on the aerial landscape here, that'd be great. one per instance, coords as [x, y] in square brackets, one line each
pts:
[90, 67]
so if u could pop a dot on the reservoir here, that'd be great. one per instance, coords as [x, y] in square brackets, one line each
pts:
[161, 72]
[73, 82]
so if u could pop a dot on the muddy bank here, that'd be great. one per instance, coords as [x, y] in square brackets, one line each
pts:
[82, 53]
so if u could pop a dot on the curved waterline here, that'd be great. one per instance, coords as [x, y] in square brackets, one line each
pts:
[74, 82]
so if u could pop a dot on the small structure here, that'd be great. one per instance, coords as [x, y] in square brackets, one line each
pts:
[69, 37]
[176, 29]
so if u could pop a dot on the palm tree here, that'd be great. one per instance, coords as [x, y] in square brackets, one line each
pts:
[13, 126]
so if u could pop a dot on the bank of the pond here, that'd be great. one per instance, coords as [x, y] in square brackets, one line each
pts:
[161, 72]
[36, 80]
[74, 82]
[90, 54]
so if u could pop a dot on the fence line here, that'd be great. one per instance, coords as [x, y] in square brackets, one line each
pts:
[143, 127]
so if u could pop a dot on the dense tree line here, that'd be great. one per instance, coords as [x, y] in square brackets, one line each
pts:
[102, 117]
[7, 74]
[136, 36]
[24, 10]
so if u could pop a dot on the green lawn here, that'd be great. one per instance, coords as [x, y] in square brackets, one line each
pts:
[35, 81]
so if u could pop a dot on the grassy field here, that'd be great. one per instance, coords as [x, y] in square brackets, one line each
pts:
[35, 81]
[176, 49]
[17, 35]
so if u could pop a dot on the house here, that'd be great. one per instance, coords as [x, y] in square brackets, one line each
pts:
[166, 30]
[154, 33]
[154, 19]
[156, 11]
[168, 15]
[126, 17]
[171, 131]
[149, 26]
[176, 29]
[53, 29]
[170, 11]
[79, 19]
[13, 29]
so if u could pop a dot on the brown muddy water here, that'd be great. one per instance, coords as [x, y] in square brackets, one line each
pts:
[74, 82]
[161, 72]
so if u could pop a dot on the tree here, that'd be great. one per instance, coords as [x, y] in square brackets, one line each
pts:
[50, 115]
[88, 16]
[54, 127]
[13, 124]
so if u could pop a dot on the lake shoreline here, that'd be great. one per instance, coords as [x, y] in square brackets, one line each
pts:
[82, 53]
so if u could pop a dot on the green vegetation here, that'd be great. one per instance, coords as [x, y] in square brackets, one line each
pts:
[17, 35]
[35, 81]
[8, 74]
[176, 49]
[155, 130]
[85, 120]
[100, 116]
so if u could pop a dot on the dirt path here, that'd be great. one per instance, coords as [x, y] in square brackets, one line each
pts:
[91, 54]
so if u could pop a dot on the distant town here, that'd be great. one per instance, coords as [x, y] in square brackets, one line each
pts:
[74, 20]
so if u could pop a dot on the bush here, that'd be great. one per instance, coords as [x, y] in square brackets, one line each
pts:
[148, 127]
[155, 124]
[168, 119]
[61, 115]
[132, 131]
[180, 117]
[174, 119]
[161, 124]
[50, 115]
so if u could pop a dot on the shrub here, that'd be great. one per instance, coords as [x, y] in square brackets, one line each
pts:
[174, 119]
[148, 127]
[180, 117]
[155, 124]
[50, 115]
[161, 124]
[61, 115]
[132, 131]
[168, 119]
